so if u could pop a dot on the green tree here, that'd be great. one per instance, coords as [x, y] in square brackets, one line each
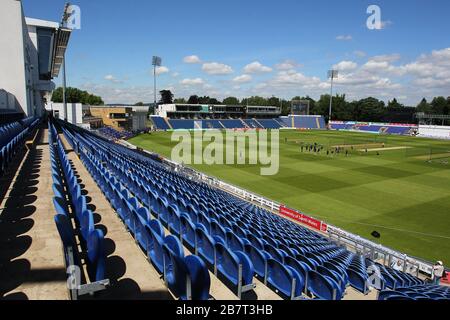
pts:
[75, 95]
[231, 101]
[179, 100]
[140, 103]
[254, 101]
[193, 99]
[214, 101]
[166, 97]
[439, 105]
[369, 109]
[394, 104]
[424, 106]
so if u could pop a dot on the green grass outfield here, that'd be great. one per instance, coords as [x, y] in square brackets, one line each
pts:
[398, 192]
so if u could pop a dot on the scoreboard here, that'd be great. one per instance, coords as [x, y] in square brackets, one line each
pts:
[300, 107]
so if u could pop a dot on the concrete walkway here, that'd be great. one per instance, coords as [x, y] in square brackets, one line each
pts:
[31, 257]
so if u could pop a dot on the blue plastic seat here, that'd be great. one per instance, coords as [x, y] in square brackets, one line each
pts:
[187, 230]
[162, 209]
[204, 244]
[96, 257]
[65, 230]
[173, 219]
[142, 221]
[233, 242]
[322, 287]
[86, 224]
[275, 253]
[285, 279]
[155, 246]
[259, 259]
[301, 268]
[229, 263]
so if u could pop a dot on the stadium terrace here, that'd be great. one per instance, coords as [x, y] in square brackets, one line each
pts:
[207, 201]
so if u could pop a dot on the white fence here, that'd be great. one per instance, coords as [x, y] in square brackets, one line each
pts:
[437, 132]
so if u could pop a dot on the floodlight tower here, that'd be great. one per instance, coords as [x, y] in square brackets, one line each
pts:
[64, 19]
[332, 74]
[156, 62]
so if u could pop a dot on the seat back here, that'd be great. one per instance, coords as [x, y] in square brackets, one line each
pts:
[282, 278]
[96, 256]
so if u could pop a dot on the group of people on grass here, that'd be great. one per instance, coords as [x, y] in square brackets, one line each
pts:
[317, 148]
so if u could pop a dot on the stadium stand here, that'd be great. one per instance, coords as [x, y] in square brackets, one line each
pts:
[189, 279]
[113, 134]
[251, 123]
[70, 205]
[386, 128]
[182, 124]
[160, 123]
[12, 136]
[238, 240]
[298, 122]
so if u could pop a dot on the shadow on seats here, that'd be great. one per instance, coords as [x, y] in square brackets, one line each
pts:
[16, 220]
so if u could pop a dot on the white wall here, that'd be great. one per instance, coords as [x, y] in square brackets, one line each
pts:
[440, 132]
[74, 111]
[13, 57]
[19, 66]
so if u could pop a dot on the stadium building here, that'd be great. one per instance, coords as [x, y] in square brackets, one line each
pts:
[197, 116]
[84, 217]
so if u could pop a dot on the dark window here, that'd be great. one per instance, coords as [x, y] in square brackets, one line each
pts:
[45, 54]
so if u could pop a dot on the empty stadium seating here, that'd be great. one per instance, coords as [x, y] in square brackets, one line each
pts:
[236, 239]
[160, 123]
[187, 277]
[373, 127]
[12, 136]
[300, 122]
[70, 205]
[113, 134]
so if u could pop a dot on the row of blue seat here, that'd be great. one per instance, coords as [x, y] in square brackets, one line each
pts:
[376, 128]
[113, 134]
[13, 136]
[197, 234]
[301, 122]
[205, 219]
[70, 205]
[419, 292]
[187, 277]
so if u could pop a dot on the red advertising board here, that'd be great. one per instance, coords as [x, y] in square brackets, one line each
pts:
[304, 219]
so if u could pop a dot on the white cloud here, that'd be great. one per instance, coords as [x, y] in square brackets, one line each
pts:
[345, 66]
[287, 65]
[112, 78]
[344, 37]
[243, 78]
[382, 76]
[216, 68]
[161, 70]
[175, 74]
[256, 67]
[191, 82]
[113, 94]
[192, 59]
[360, 53]
[387, 57]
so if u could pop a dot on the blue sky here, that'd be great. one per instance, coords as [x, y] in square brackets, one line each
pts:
[244, 48]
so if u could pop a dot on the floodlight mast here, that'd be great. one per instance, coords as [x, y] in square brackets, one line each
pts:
[65, 17]
[332, 74]
[156, 62]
